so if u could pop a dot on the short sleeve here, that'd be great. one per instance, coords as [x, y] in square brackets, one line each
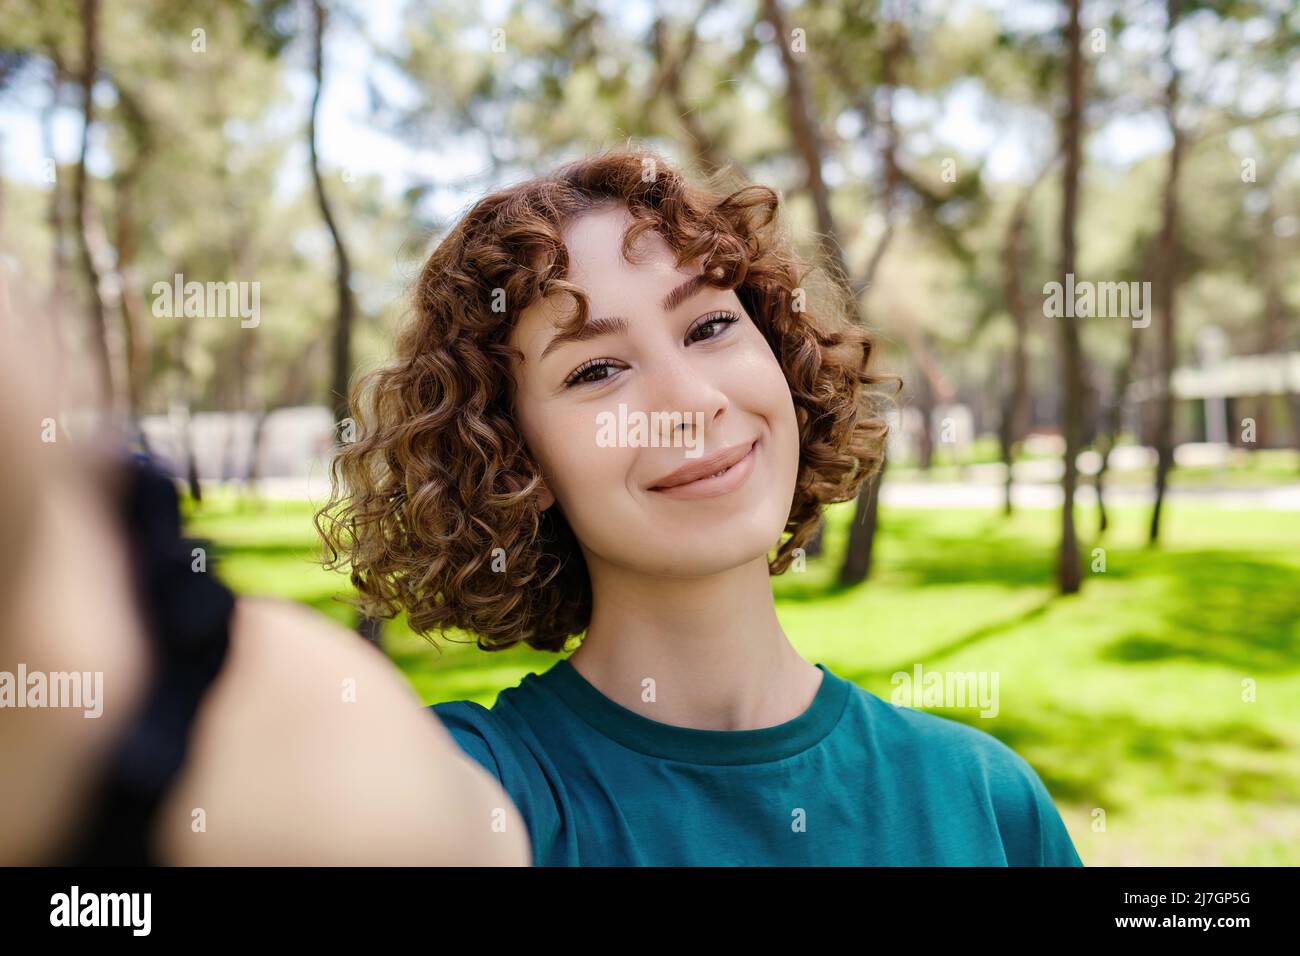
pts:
[1055, 846]
[1033, 833]
[490, 740]
[465, 721]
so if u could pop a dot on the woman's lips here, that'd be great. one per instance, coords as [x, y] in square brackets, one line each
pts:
[713, 486]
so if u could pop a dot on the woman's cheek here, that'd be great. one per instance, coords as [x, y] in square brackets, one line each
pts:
[583, 470]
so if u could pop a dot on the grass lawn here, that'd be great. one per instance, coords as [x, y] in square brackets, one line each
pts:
[1127, 698]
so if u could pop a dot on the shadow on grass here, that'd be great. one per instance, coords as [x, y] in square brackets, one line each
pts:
[974, 636]
[1224, 610]
[909, 554]
[306, 552]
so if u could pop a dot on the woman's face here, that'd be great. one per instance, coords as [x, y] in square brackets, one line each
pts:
[694, 379]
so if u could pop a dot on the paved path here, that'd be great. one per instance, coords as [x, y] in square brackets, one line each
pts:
[927, 494]
[918, 494]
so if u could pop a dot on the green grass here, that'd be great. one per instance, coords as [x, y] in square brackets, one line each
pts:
[1126, 698]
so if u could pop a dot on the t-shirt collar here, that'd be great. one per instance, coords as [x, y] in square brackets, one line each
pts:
[692, 745]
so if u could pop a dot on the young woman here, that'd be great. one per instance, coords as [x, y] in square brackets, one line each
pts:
[193, 727]
[485, 493]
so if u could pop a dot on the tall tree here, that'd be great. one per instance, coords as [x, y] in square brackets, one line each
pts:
[860, 549]
[804, 130]
[1110, 418]
[126, 185]
[346, 302]
[1166, 282]
[369, 628]
[88, 226]
[1068, 569]
[56, 218]
[1014, 419]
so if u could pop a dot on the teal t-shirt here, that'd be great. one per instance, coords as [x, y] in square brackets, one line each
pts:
[853, 781]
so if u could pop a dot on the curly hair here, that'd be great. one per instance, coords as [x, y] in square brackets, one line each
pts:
[433, 504]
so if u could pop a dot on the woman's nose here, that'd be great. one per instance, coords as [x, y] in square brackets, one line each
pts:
[684, 394]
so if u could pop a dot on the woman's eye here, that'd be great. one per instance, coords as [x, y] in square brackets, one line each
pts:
[582, 375]
[722, 319]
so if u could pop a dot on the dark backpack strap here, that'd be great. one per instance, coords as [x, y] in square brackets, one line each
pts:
[187, 614]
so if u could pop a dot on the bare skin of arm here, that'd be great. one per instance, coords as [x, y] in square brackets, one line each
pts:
[312, 749]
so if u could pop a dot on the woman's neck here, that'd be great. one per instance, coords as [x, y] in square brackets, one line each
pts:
[712, 646]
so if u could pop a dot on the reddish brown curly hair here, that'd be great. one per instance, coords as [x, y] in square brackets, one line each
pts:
[439, 476]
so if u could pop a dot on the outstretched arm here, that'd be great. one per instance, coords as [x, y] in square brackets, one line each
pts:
[314, 750]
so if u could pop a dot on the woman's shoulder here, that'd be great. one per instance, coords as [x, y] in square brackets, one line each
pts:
[497, 737]
[502, 726]
[476, 730]
[946, 737]
[932, 750]
[933, 736]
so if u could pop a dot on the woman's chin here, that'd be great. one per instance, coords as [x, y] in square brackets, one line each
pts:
[705, 547]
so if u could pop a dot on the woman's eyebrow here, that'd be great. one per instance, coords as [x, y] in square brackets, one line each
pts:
[616, 323]
[683, 292]
[593, 329]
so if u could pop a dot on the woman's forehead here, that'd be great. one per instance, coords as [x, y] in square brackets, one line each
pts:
[594, 242]
[596, 265]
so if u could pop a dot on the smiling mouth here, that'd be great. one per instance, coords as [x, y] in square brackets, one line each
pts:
[716, 483]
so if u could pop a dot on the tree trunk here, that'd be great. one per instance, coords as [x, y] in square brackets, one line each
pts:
[858, 554]
[369, 628]
[1165, 290]
[1111, 418]
[56, 217]
[1281, 331]
[346, 308]
[1015, 405]
[85, 212]
[925, 404]
[862, 532]
[183, 400]
[252, 392]
[1068, 570]
[817, 543]
[134, 309]
[807, 142]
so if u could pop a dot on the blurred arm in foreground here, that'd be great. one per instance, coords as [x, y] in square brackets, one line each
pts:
[282, 764]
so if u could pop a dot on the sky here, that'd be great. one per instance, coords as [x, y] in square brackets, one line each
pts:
[347, 139]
